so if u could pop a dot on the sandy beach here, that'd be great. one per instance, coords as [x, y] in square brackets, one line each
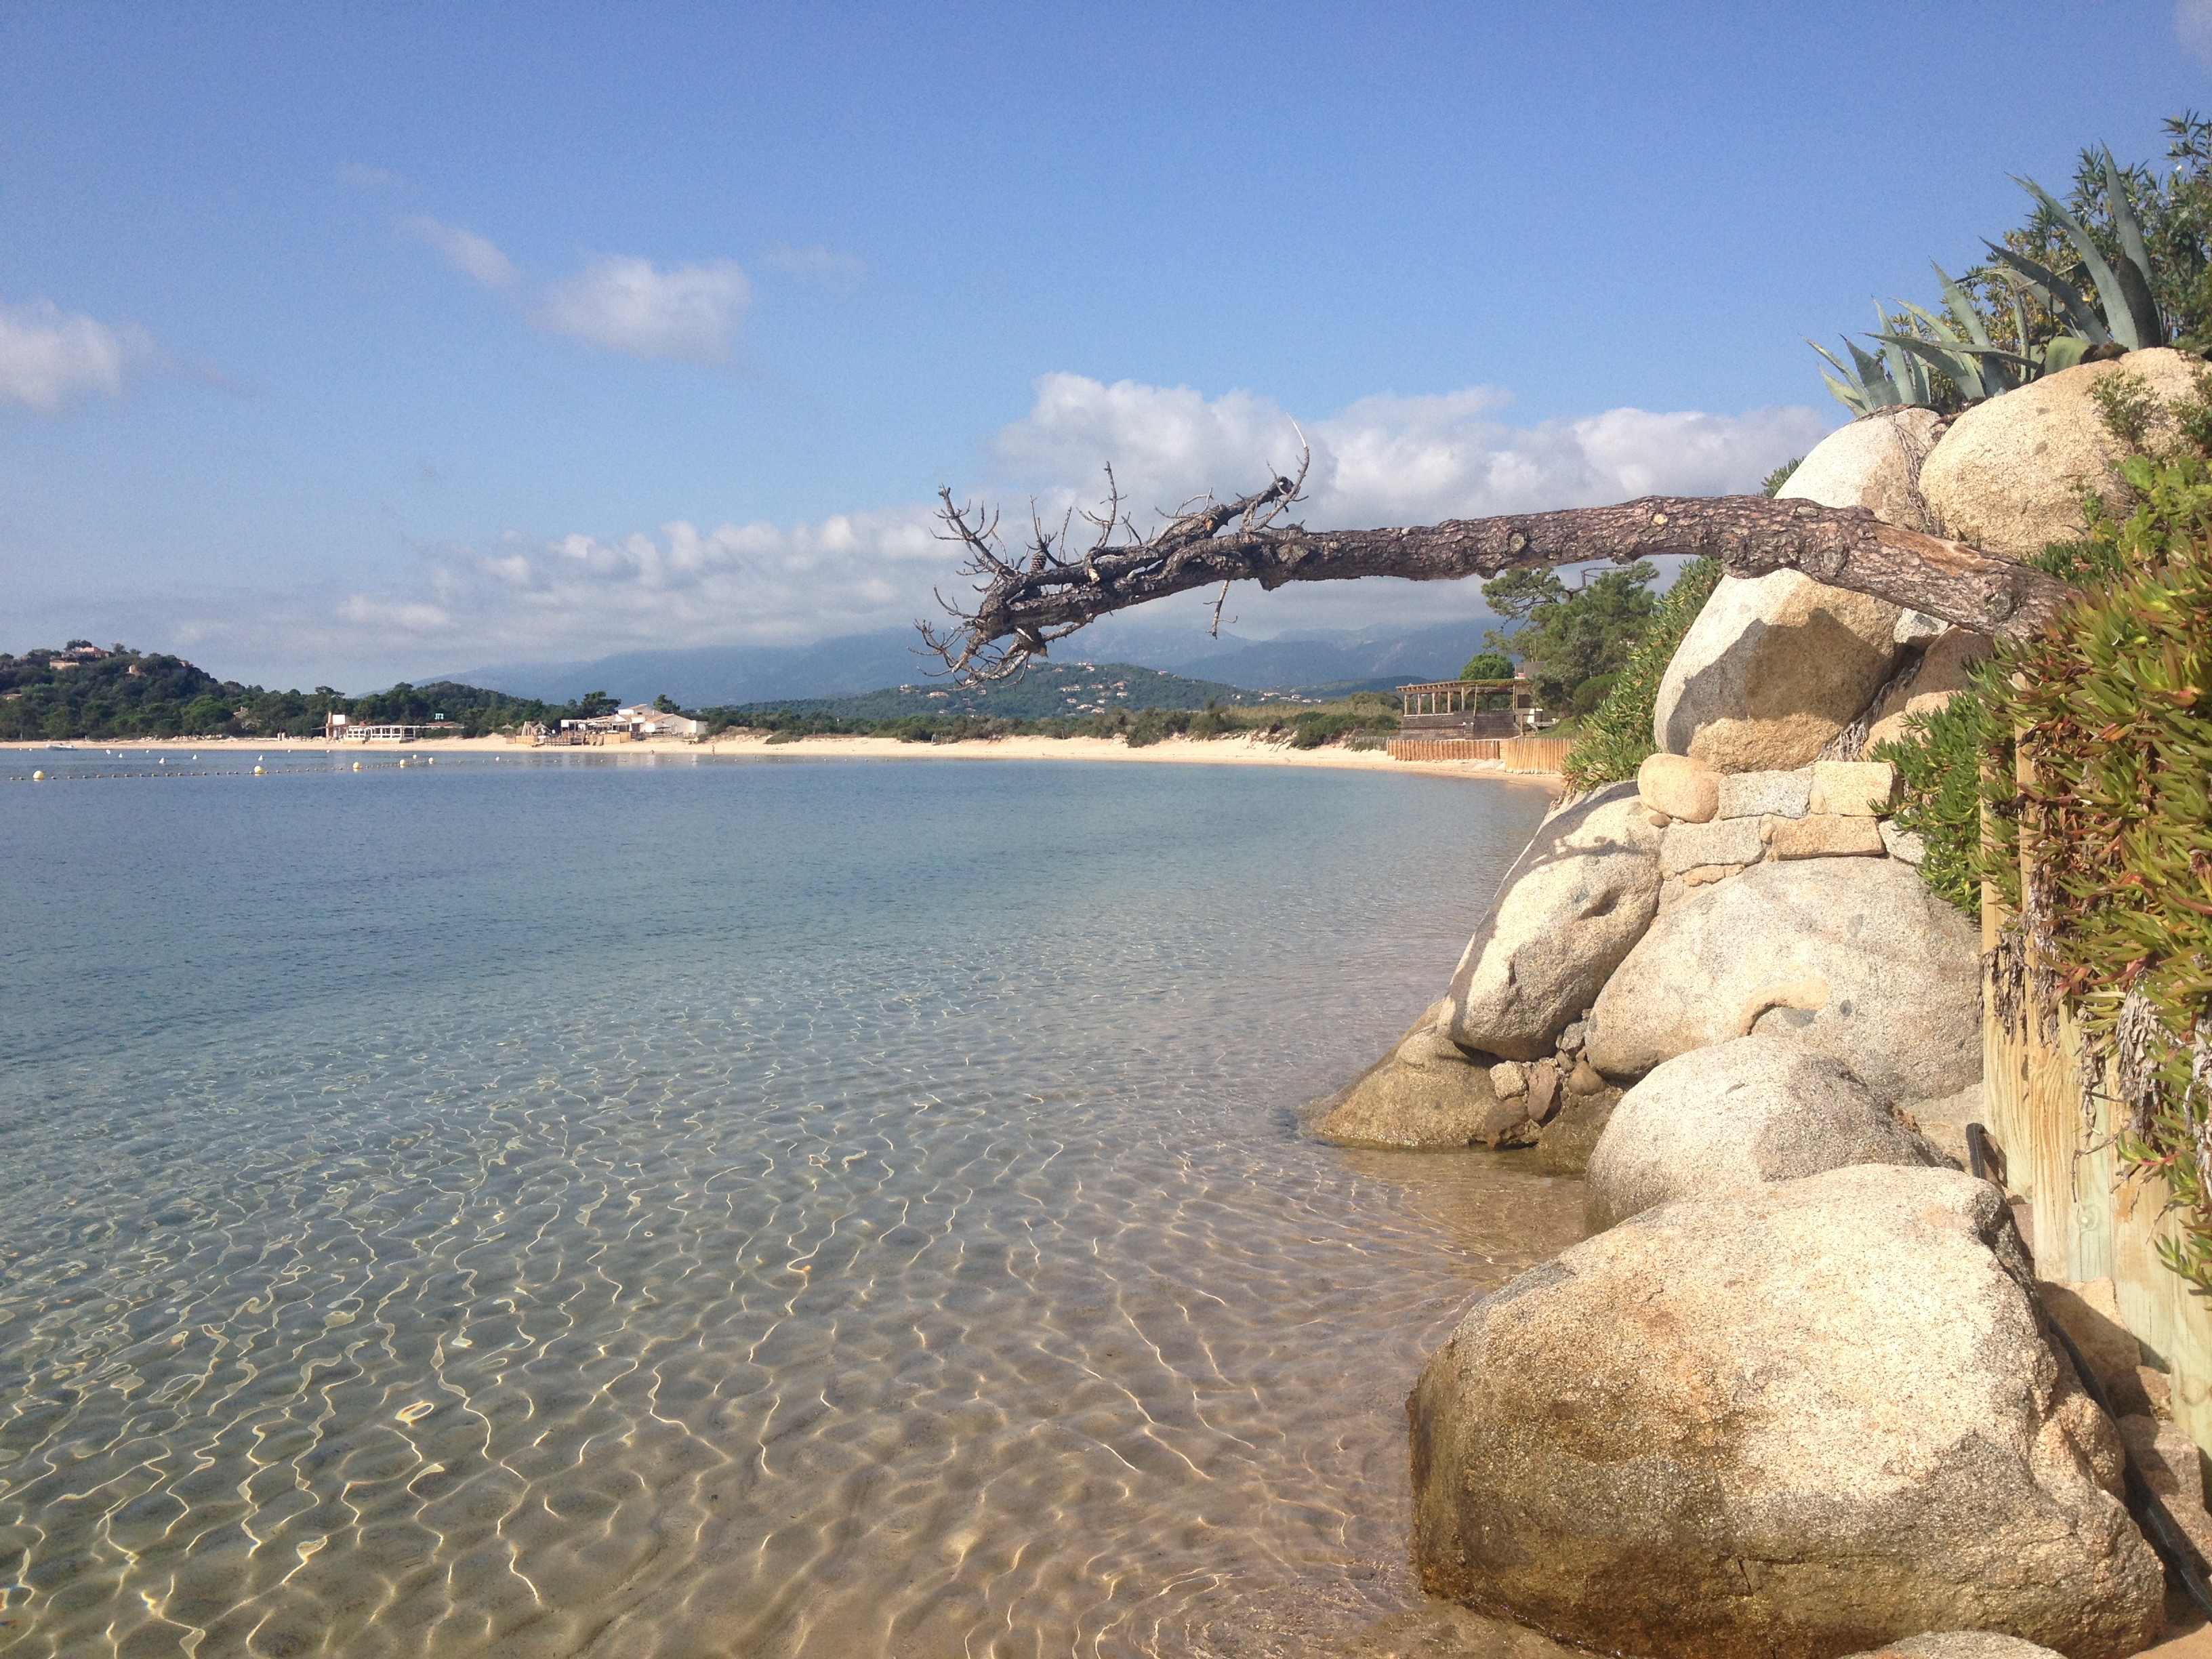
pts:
[1221, 751]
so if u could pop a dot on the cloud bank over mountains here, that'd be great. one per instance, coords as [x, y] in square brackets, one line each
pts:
[1380, 460]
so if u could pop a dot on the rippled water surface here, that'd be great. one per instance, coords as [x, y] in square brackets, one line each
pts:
[817, 1207]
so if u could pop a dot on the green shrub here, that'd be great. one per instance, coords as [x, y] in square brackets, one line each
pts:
[1488, 666]
[1316, 726]
[1593, 692]
[2114, 817]
[1939, 761]
[1611, 742]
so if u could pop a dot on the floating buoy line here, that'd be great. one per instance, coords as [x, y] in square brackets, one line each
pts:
[261, 768]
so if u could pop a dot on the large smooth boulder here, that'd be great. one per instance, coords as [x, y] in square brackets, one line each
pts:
[1759, 1110]
[1853, 958]
[1942, 673]
[1874, 462]
[1802, 1419]
[2010, 475]
[1573, 905]
[1774, 667]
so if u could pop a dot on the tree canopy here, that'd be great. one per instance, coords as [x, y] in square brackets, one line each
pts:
[1567, 637]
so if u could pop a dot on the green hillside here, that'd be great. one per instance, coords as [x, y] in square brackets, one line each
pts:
[77, 692]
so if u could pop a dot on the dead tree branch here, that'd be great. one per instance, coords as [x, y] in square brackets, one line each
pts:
[1023, 608]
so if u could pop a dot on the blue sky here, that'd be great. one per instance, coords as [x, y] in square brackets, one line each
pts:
[345, 344]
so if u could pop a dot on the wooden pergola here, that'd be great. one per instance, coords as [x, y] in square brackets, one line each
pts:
[1488, 708]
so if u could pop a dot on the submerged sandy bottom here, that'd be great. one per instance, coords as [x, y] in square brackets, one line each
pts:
[757, 1210]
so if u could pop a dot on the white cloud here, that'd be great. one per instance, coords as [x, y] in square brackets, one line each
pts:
[689, 312]
[466, 251]
[619, 303]
[1383, 460]
[1386, 459]
[48, 356]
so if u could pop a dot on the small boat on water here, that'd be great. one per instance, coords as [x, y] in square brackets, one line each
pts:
[61, 745]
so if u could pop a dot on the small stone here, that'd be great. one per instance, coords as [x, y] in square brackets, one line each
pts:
[1572, 1039]
[1506, 1124]
[1543, 1091]
[1915, 625]
[1657, 820]
[1859, 788]
[1765, 794]
[1679, 786]
[1825, 835]
[1728, 840]
[1509, 1077]
[1584, 1079]
[1904, 844]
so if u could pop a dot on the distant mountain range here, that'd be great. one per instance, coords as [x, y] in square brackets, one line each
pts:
[1069, 689]
[710, 676]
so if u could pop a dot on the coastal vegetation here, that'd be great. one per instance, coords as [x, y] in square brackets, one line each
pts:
[2083, 756]
[80, 692]
[1363, 720]
[2124, 263]
[1571, 641]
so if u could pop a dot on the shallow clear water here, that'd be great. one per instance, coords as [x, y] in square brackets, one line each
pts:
[764, 1208]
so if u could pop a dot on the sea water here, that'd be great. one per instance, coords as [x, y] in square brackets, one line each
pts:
[533, 1207]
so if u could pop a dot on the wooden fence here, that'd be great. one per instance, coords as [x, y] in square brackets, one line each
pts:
[1534, 753]
[1444, 749]
[2048, 1107]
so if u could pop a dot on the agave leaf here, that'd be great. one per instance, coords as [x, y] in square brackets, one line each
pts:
[1906, 372]
[2055, 291]
[1872, 372]
[1975, 378]
[2066, 352]
[1850, 391]
[2119, 316]
[1942, 329]
[1849, 396]
[2134, 273]
[1963, 371]
[1961, 307]
[1996, 354]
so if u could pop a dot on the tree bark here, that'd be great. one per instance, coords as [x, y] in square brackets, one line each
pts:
[1045, 598]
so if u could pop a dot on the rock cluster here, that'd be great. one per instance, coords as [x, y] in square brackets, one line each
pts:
[1796, 1395]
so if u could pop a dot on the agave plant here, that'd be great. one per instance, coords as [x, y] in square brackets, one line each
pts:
[2121, 316]
[2123, 313]
[1897, 376]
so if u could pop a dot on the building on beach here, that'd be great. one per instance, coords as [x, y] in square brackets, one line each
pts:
[344, 728]
[632, 724]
